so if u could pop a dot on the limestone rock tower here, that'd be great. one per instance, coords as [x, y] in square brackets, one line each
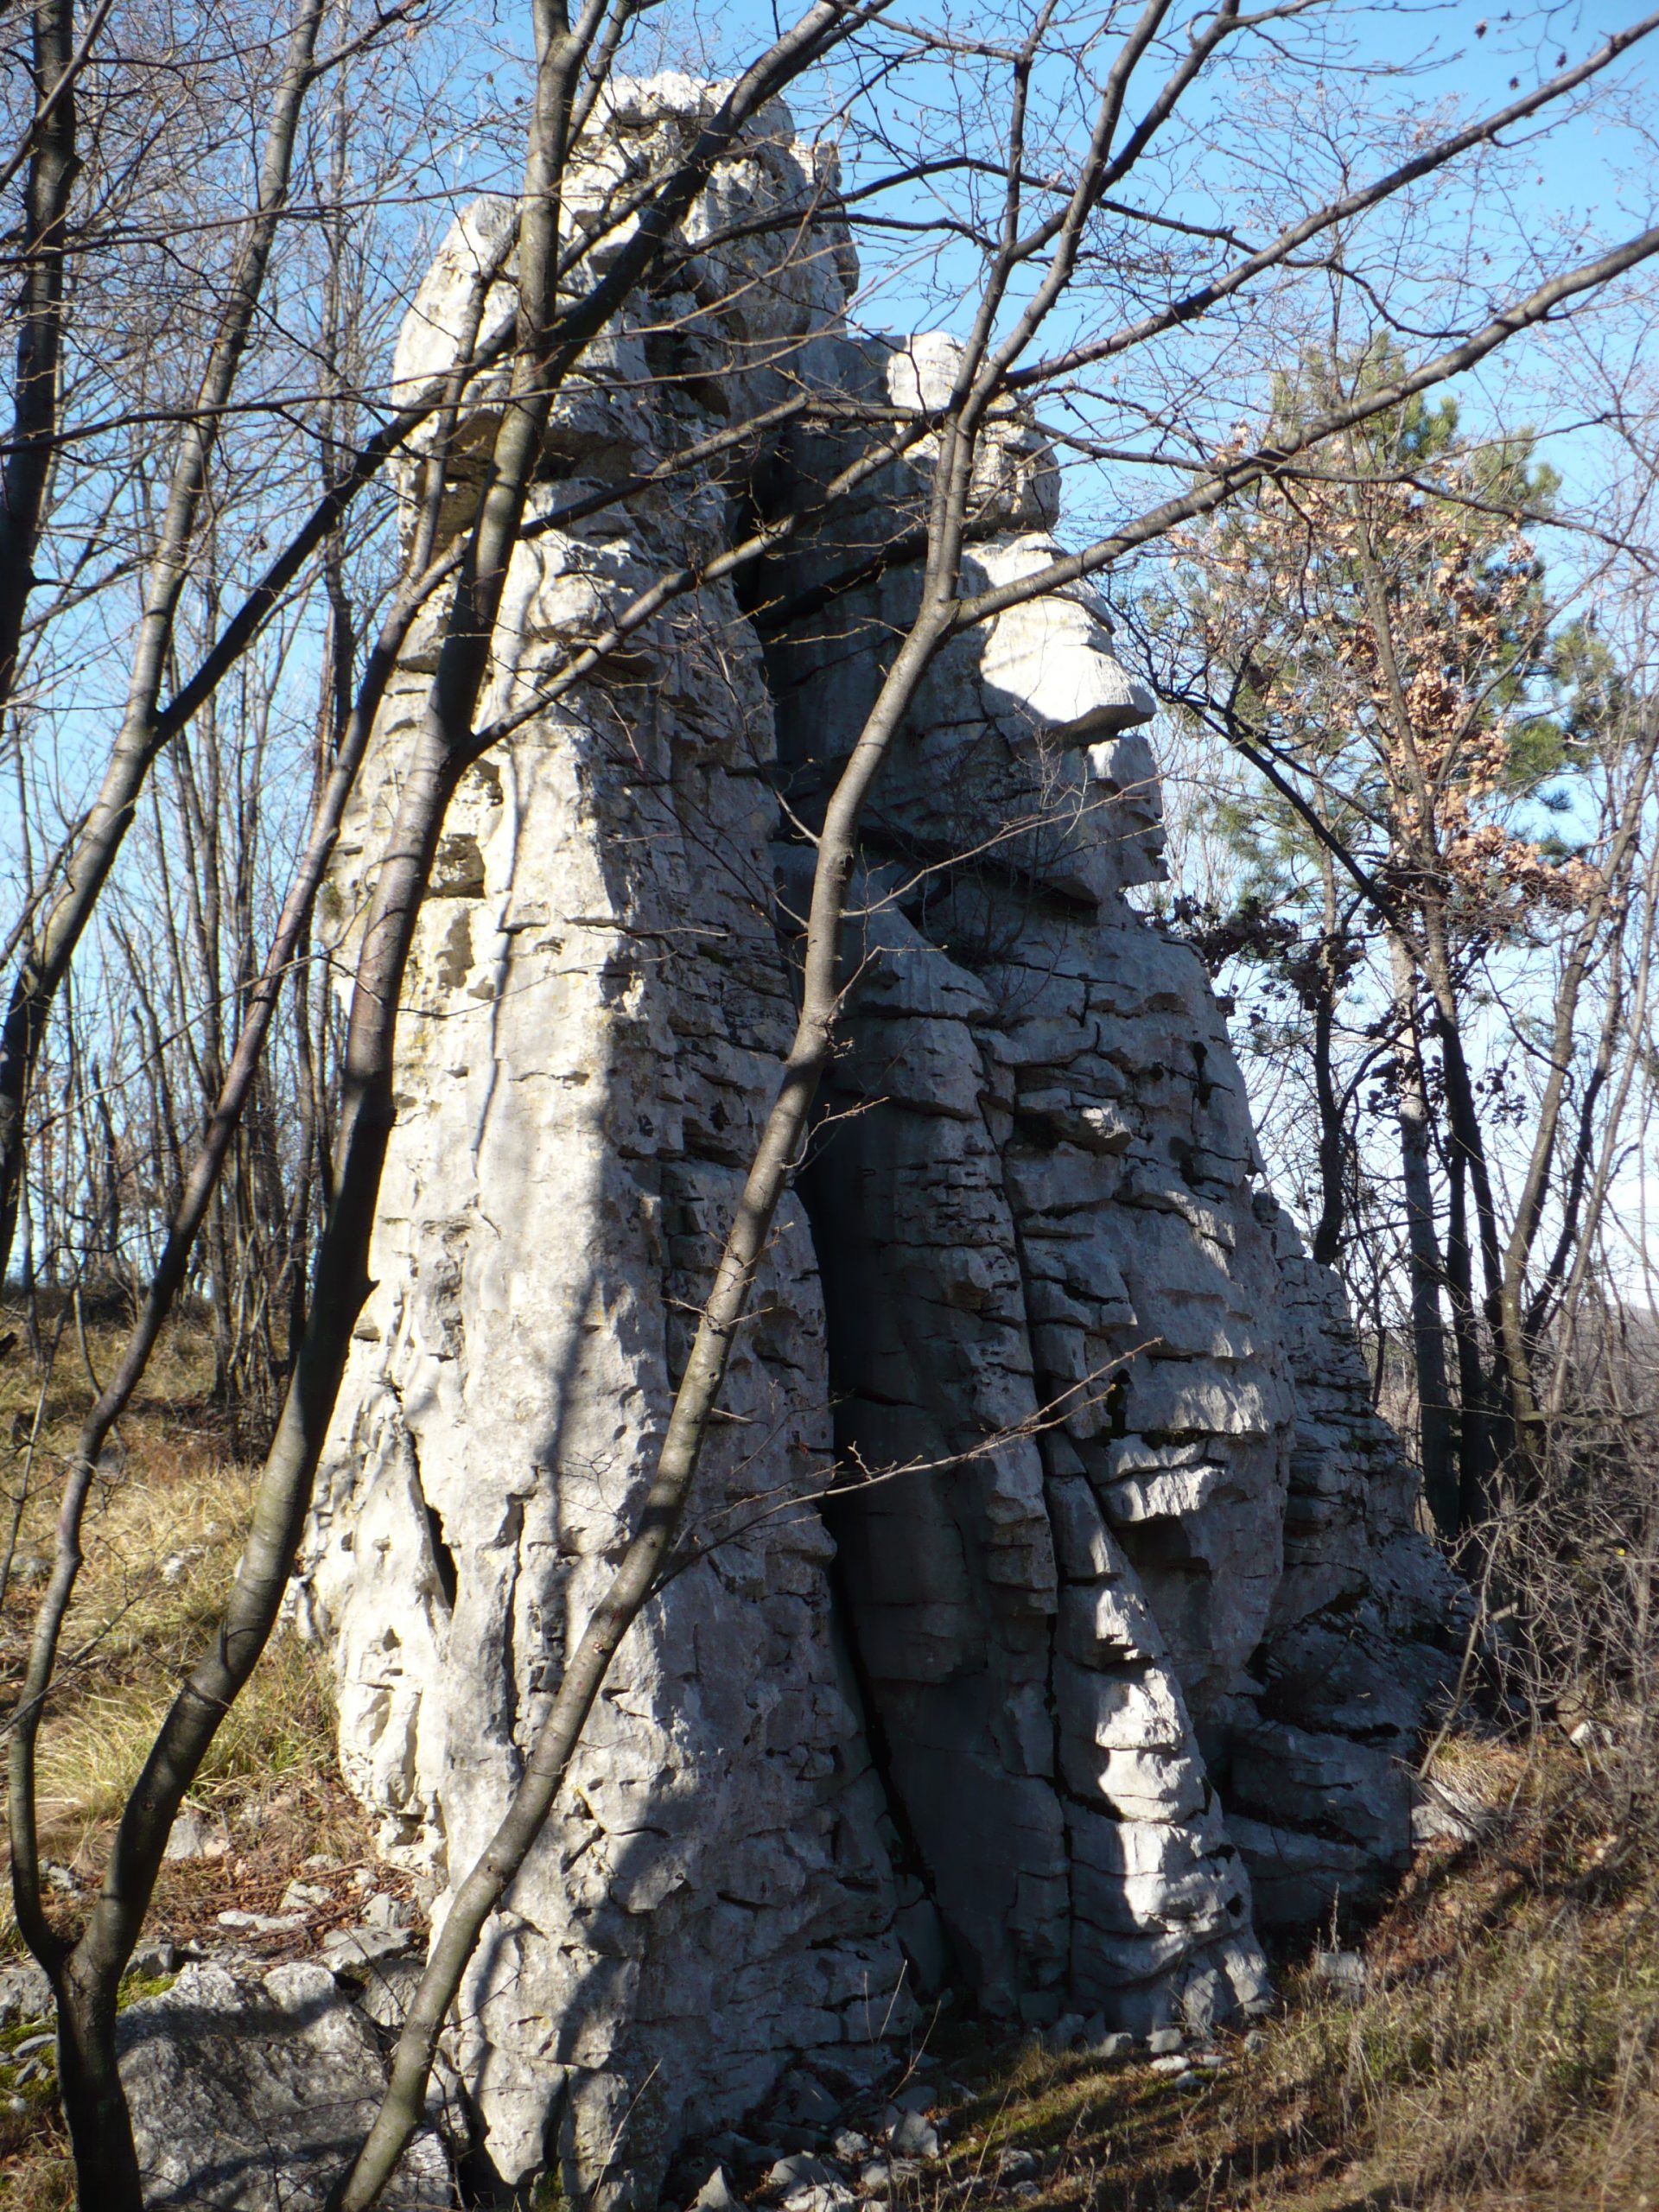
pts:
[1051, 1615]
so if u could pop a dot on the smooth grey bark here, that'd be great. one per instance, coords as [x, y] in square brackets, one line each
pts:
[31, 446]
[52, 170]
[1332, 1151]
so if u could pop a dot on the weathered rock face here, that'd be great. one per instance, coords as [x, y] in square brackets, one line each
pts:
[1138, 1551]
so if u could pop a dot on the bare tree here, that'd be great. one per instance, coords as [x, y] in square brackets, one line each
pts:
[552, 335]
[1039, 214]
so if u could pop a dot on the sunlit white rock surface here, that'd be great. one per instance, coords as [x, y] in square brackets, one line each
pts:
[1135, 1624]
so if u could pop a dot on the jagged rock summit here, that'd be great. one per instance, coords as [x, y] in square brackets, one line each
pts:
[1050, 1616]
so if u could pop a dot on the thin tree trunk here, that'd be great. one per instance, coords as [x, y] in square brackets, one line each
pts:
[1516, 1340]
[1333, 1145]
[86, 1976]
[30, 449]
[1422, 1241]
[32, 444]
[1476, 1458]
[1506, 1413]
[1635, 1054]
[85, 1985]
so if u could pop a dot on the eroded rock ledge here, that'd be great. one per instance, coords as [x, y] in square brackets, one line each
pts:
[1103, 1651]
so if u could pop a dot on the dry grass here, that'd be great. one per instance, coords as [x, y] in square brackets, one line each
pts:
[1501, 2056]
[39, 2180]
[161, 1541]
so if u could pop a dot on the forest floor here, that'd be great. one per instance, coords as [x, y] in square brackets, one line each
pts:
[1500, 2051]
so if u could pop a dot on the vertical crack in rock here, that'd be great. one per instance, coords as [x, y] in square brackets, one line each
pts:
[1137, 1602]
[443, 1558]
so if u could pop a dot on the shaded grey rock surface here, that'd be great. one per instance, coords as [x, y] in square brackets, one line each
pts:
[250, 2095]
[25, 1993]
[1158, 1553]
[1118, 1656]
[716, 2195]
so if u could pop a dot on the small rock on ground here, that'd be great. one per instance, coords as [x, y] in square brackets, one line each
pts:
[303, 1897]
[25, 1993]
[250, 2093]
[820, 2197]
[799, 2170]
[346, 1949]
[916, 2097]
[1118, 2045]
[1344, 1970]
[197, 1834]
[380, 1910]
[263, 1923]
[913, 2136]
[717, 2194]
